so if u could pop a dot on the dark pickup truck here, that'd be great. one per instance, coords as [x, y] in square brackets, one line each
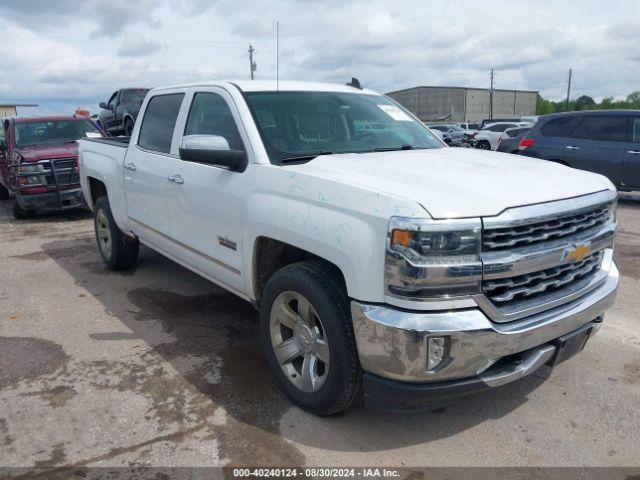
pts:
[39, 162]
[119, 114]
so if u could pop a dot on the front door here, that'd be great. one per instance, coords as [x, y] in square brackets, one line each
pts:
[631, 168]
[207, 201]
[147, 167]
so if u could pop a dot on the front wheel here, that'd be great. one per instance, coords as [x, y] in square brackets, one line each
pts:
[307, 334]
[483, 145]
[118, 251]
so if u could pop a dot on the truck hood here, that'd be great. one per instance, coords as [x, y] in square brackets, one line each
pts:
[458, 182]
[44, 152]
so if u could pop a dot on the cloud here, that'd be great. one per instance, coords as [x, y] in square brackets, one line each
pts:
[89, 48]
[139, 47]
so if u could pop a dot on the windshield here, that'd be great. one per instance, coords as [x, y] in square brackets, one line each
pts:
[134, 95]
[305, 124]
[52, 132]
[456, 128]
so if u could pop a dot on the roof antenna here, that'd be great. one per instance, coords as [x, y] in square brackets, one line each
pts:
[355, 83]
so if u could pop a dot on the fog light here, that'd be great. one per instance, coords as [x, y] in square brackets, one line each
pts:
[437, 351]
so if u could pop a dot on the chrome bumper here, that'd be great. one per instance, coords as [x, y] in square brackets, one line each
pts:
[392, 343]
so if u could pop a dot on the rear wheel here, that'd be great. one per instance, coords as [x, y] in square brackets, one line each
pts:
[308, 338]
[128, 127]
[483, 145]
[118, 251]
[20, 213]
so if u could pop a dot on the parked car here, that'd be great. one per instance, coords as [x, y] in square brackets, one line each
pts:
[489, 121]
[469, 126]
[487, 137]
[455, 133]
[119, 114]
[605, 142]
[509, 141]
[385, 266]
[39, 162]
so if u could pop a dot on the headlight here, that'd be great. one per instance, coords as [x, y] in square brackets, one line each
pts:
[31, 168]
[431, 259]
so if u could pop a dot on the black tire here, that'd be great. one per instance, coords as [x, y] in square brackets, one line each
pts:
[20, 213]
[319, 283]
[128, 127]
[483, 145]
[4, 193]
[123, 251]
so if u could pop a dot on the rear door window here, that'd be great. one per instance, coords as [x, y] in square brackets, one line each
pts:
[159, 122]
[561, 126]
[604, 128]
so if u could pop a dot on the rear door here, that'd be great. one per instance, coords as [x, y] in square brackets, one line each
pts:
[598, 145]
[147, 166]
[631, 167]
[205, 206]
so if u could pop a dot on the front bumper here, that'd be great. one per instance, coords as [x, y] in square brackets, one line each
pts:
[59, 200]
[392, 343]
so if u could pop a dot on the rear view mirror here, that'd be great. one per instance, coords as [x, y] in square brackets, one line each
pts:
[102, 105]
[212, 150]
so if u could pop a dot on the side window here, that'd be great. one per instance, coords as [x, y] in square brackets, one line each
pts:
[497, 128]
[606, 128]
[635, 132]
[112, 100]
[210, 115]
[560, 127]
[159, 122]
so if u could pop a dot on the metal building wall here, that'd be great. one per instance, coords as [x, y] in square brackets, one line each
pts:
[453, 104]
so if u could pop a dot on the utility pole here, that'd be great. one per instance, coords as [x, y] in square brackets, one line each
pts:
[252, 65]
[491, 97]
[566, 108]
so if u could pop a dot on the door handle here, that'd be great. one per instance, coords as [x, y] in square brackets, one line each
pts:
[130, 166]
[634, 152]
[571, 147]
[176, 179]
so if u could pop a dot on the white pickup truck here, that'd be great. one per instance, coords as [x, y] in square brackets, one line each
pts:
[385, 265]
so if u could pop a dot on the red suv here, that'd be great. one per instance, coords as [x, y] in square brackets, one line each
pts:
[39, 162]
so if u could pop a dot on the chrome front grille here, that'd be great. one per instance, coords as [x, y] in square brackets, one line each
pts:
[527, 254]
[549, 229]
[504, 291]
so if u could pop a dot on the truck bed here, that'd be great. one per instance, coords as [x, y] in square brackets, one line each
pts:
[120, 141]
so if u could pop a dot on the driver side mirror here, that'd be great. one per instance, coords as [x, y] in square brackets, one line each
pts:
[102, 105]
[212, 150]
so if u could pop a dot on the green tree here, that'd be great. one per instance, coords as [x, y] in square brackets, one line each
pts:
[584, 102]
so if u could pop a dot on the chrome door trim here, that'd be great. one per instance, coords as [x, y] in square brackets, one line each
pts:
[187, 247]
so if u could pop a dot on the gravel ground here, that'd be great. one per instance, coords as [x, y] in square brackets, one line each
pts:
[159, 367]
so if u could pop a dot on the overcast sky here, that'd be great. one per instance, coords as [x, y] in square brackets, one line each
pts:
[67, 53]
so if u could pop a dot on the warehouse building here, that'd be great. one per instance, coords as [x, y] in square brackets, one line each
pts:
[11, 109]
[460, 104]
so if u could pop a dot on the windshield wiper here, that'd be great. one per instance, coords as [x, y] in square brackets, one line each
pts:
[308, 156]
[393, 149]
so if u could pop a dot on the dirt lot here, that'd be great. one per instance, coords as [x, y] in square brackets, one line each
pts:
[160, 367]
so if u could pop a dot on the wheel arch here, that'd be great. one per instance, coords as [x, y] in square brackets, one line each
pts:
[270, 255]
[97, 189]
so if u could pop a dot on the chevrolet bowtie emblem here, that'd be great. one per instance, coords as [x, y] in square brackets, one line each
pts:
[577, 253]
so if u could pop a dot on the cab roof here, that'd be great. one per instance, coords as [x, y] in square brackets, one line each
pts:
[48, 118]
[272, 85]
